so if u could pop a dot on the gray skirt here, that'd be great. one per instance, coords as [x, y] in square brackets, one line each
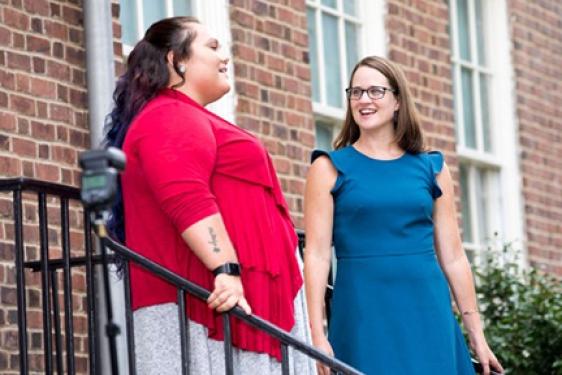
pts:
[157, 346]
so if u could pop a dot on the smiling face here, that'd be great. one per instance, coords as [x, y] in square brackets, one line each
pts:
[372, 114]
[206, 75]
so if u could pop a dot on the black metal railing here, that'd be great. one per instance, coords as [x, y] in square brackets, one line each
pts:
[60, 336]
[32, 193]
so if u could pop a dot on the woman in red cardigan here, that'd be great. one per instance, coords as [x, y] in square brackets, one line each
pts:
[200, 196]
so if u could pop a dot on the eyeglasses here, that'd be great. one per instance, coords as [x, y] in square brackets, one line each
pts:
[373, 92]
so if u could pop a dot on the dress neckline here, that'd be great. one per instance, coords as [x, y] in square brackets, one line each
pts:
[375, 159]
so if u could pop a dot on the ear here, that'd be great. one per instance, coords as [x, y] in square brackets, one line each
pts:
[170, 58]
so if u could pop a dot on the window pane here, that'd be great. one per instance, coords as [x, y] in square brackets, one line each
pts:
[332, 68]
[465, 201]
[128, 19]
[329, 3]
[485, 110]
[323, 136]
[351, 39]
[313, 54]
[483, 201]
[463, 30]
[182, 8]
[456, 102]
[350, 7]
[468, 108]
[480, 32]
[152, 11]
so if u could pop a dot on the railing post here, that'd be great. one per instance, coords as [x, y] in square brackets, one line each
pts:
[67, 277]
[111, 329]
[20, 282]
[284, 359]
[93, 339]
[228, 359]
[58, 327]
[129, 322]
[184, 332]
[45, 287]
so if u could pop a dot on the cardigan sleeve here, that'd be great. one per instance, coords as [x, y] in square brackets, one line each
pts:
[176, 148]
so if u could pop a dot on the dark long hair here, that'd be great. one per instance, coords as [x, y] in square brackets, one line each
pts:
[407, 124]
[146, 74]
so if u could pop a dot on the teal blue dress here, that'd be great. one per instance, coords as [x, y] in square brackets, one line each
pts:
[391, 307]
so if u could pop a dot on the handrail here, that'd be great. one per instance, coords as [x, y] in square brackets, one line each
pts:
[253, 320]
[44, 187]
[49, 268]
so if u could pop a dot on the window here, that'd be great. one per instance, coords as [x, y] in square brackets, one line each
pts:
[137, 15]
[340, 34]
[485, 127]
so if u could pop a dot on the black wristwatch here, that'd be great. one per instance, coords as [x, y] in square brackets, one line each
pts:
[228, 268]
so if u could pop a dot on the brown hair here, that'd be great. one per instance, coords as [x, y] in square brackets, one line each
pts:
[147, 73]
[407, 125]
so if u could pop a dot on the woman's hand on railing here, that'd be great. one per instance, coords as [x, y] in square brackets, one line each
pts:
[321, 343]
[228, 293]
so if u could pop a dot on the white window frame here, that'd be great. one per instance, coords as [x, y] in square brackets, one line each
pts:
[373, 38]
[215, 16]
[141, 27]
[502, 175]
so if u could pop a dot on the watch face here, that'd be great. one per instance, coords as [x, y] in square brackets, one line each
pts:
[233, 269]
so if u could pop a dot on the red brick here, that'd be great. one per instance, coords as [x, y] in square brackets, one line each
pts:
[58, 70]
[24, 147]
[39, 7]
[47, 172]
[242, 17]
[5, 37]
[43, 88]
[19, 61]
[15, 18]
[22, 104]
[9, 166]
[7, 121]
[38, 44]
[72, 15]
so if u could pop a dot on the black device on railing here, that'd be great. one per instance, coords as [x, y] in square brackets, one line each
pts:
[100, 170]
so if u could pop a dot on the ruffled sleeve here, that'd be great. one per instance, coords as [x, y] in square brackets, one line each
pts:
[335, 162]
[436, 165]
[316, 154]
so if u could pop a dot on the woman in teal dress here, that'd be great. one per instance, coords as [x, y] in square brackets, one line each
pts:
[387, 205]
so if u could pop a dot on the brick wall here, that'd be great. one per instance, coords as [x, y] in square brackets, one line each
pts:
[270, 57]
[419, 42]
[43, 118]
[537, 55]
[43, 127]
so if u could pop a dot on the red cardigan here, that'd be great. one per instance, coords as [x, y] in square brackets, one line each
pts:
[183, 164]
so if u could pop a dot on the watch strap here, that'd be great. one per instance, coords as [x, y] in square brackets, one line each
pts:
[229, 268]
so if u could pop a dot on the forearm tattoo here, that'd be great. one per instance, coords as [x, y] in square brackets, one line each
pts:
[213, 240]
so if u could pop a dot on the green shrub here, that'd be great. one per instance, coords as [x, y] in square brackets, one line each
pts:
[521, 309]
